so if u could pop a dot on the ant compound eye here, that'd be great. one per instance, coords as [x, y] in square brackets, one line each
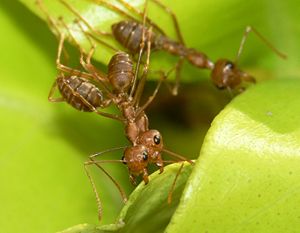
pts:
[229, 65]
[123, 159]
[156, 139]
[145, 155]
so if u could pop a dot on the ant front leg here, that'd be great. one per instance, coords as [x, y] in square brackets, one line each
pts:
[98, 200]
[132, 177]
[174, 183]
[263, 39]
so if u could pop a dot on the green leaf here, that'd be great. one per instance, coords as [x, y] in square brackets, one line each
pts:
[247, 176]
[43, 145]
[147, 209]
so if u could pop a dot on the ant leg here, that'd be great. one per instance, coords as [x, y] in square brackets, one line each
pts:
[132, 179]
[100, 76]
[178, 70]
[114, 8]
[98, 200]
[96, 75]
[178, 66]
[51, 23]
[142, 45]
[125, 14]
[51, 93]
[177, 156]
[91, 157]
[152, 97]
[162, 78]
[173, 184]
[145, 176]
[174, 89]
[140, 88]
[263, 39]
[87, 65]
[174, 18]
[77, 14]
[66, 69]
[90, 27]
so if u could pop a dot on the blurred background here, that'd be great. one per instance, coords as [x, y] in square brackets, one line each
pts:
[43, 145]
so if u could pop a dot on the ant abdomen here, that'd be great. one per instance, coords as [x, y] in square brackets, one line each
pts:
[129, 34]
[80, 93]
[120, 72]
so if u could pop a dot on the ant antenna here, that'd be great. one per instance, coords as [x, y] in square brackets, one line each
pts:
[177, 156]
[263, 39]
[181, 158]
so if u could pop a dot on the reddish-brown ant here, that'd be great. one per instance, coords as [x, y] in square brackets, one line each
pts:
[224, 73]
[80, 90]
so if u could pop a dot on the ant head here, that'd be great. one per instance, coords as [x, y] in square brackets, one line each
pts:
[136, 159]
[120, 72]
[225, 74]
[152, 139]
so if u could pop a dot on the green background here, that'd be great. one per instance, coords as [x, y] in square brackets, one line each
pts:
[43, 145]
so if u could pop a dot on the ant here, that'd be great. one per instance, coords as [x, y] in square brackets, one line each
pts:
[120, 88]
[225, 74]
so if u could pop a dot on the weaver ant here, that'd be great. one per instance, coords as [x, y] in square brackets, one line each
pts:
[225, 74]
[91, 89]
